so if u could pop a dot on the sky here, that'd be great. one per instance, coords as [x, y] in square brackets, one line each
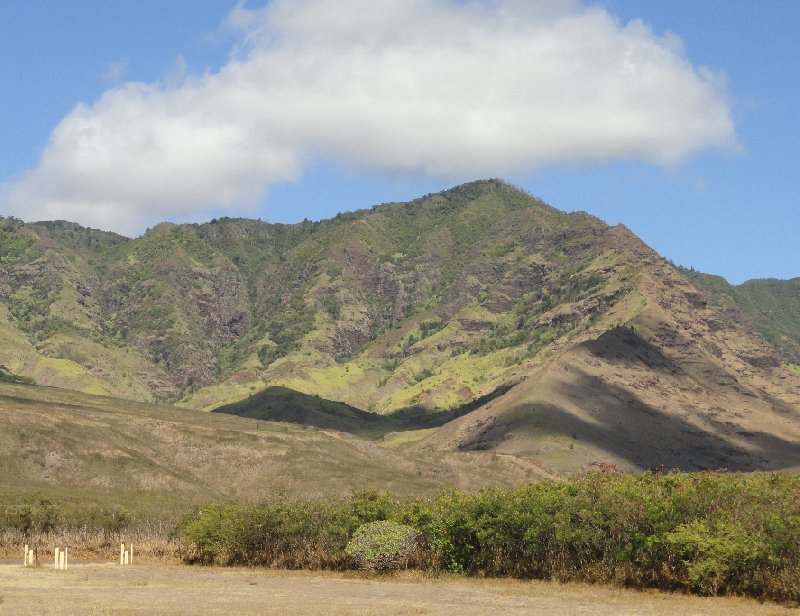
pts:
[677, 118]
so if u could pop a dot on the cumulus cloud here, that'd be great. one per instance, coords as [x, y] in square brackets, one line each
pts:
[437, 87]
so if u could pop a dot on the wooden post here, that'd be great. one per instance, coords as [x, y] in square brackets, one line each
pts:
[25, 562]
[125, 555]
[66, 558]
[60, 559]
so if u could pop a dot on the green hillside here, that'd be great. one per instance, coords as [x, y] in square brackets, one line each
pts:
[278, 403]
[419, 303]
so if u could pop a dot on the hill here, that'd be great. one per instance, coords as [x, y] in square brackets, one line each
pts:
[479, 318]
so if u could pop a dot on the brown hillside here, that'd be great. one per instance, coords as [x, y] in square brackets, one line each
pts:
[77, 445]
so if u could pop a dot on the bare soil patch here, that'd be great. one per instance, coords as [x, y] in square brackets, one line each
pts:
[106, 588]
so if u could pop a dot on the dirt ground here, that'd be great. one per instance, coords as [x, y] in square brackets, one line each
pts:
[105, 588]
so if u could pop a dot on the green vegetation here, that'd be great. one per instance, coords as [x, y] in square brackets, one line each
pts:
[13, 244]
[199, 309]
[39, 516]
[706, 533]
[426, 328]
[523, 324]
[401, 305]
[284, 404]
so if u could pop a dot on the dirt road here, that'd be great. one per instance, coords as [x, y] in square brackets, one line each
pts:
[97, 588]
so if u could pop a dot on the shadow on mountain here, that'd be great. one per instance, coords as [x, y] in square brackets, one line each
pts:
[279, 403]
[420, 418]
[622, 345]
[617, 421]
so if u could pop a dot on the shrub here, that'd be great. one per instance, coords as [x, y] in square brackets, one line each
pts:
[382, 546]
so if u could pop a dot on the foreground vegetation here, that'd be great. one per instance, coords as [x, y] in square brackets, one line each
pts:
[708, 533]
[705, 533]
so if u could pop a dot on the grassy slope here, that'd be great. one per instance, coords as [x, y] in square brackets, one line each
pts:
[283, 404]
[55, 442]
[279, 403]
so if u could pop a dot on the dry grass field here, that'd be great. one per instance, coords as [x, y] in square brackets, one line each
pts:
[105, 588]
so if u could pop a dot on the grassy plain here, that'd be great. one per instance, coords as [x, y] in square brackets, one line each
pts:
[108, 589]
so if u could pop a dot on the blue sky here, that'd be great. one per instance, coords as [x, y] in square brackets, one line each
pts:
[724, 202]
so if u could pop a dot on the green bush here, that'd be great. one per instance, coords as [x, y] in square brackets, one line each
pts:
[382, 546]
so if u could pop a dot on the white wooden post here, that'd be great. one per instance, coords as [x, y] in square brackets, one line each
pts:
[66, 558]
[60, 559]
[26, 555]
[125, 554]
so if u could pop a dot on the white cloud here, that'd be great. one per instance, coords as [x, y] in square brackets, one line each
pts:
[438, 87]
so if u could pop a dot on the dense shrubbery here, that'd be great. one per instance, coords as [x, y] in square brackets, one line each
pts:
[39, 516]
[706, 533]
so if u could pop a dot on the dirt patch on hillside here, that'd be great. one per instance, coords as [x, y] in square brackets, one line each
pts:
[94, 588]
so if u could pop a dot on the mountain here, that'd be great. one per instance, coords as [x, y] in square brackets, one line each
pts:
[768, 306]
[478, 318]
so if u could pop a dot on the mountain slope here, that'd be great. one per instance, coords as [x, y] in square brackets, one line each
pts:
[768, 306]
[673, 384]
[278, 403]
[338, 308]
